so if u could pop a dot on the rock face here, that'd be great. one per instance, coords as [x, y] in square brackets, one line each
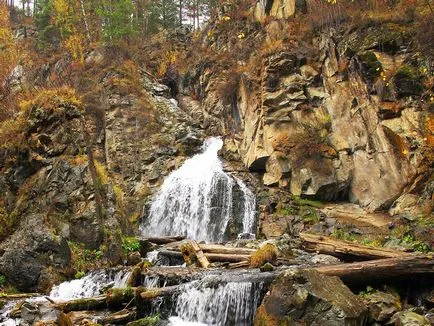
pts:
[320, 126]
[310, 298]
[79, 176]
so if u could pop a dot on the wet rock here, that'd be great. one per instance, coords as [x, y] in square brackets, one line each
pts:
[308, 297]
[321, 259]
[29, 251]
[382, 305]
[134, 258]
[29, 313]
[409, 318]
[267, 267]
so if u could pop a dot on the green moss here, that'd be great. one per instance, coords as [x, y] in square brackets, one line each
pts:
[343, 235]
[308, 202]
[309, 214]
[147, 321]
[2, 280]
[372, 65]
[79, 274]
[408, 81]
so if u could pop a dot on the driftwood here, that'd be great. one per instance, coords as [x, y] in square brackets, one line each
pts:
[211, 257]
[345, 249]
[407, 267]
[192, 254]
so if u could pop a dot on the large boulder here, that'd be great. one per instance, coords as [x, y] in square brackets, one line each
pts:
[310, 298]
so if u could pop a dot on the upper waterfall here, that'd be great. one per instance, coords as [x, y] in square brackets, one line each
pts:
[200, 200]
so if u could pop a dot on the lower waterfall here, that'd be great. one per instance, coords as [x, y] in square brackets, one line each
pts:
[228, 304]
[199, 200]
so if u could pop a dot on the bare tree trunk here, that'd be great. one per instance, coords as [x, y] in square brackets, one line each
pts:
[180, 12]
[86, 25]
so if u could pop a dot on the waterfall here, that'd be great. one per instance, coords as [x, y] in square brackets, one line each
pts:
[228, 304]
[90, 285]
[199, 200]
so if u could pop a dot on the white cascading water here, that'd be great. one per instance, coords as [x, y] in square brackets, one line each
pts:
[227, 304]
[197, 199]
[90, 285]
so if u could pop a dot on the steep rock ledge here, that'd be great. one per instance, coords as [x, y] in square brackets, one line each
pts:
[331, 120]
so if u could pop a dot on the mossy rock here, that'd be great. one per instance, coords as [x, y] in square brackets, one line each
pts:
[387, 38]
[372, 66]
[147, 321]
[267, 267]
[408, 81]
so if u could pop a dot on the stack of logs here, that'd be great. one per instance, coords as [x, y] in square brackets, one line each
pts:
[363, 264]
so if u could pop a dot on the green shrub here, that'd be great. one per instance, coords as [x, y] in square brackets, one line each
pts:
[2, 280]
[130, 244]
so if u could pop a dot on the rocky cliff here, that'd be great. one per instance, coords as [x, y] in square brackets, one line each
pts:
[342, 116]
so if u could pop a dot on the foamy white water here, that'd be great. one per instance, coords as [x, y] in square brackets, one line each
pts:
[90, 285]
[176, 321]
[228, 304]
[197, 199]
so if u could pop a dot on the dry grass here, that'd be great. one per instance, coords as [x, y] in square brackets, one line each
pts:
[52, 99]
[265, 254]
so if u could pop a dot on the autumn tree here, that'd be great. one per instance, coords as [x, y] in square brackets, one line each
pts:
[8, 48]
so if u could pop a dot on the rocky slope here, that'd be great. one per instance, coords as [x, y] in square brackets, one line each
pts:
[77, 180]
[344, 114]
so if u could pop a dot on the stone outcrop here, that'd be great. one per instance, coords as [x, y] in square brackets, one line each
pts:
[80, 180]
[310, 298]
[321, 127]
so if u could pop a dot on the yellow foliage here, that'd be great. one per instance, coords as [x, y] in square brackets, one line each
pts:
[102, 173]
[79, 160]
[12, 132]
[169, 59]
[75, 44]
[265, 254]
[8, 48]
[4, 15]
[51, 99]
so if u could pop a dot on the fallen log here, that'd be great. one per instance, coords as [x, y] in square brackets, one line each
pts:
[167, 291]
[240, 264]
[345, 249]
[406, 267]
[192, 254]
[94, 303]
[164, 239]
[120, 317]
[211, 257]
[216, 249]
[18, 296]
[112, 299]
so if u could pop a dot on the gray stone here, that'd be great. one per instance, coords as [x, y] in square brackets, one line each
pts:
[311, 298]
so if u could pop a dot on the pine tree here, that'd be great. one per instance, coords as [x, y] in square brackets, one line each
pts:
[48, 34]
[117, 19]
